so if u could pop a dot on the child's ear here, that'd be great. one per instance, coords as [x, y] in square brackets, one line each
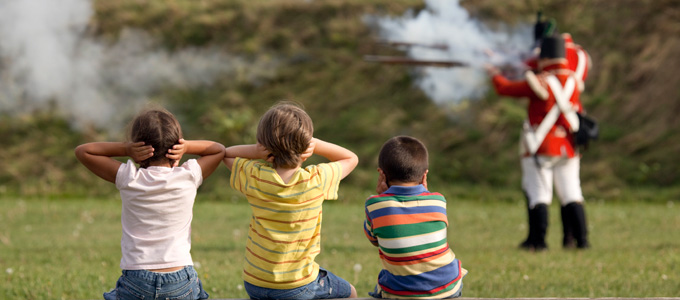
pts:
[382, 185]
[381, 176]
[424, 180]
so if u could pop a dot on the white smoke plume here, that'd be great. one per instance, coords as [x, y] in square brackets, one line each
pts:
[467, 40]
[47, 58]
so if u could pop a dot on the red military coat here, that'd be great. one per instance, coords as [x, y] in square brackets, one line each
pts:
[559, 141]
[579, 60]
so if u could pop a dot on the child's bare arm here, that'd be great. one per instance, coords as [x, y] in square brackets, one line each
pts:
[97, 157]
[211, 153]
[253, 151]
[347, 159]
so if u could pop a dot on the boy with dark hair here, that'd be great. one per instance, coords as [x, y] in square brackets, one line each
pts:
[408, 224]
[284, 236]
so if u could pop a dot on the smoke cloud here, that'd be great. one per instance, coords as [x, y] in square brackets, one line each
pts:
[467, 40]
[48, 59]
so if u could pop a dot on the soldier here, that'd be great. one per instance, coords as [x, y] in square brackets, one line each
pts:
[549, 153]
[579, 62]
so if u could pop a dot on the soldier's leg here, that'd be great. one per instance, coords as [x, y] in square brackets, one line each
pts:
[536, 182]
[568, 186]
[569, 191]
[567, 232]
[540, 214]
[579, 224]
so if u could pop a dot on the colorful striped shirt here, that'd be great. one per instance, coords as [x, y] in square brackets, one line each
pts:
[408, 224]
[285, 228]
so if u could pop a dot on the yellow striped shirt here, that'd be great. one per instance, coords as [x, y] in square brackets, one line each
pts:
[285, 228]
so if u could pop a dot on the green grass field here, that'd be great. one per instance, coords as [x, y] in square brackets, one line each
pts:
[70, 248]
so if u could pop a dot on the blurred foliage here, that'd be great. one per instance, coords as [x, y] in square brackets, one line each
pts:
[632, 91]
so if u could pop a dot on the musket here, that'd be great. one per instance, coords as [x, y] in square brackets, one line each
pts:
[438, 46]
[401, 60]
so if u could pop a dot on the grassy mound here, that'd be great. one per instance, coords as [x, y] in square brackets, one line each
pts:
[317, 48]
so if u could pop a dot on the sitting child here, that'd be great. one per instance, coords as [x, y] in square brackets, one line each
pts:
[157, 204]
[408, 224]
[286, 200]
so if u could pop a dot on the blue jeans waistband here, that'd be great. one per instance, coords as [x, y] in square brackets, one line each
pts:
[161, 278]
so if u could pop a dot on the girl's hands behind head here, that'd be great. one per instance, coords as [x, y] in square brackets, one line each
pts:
[176, 152]
[138, 151]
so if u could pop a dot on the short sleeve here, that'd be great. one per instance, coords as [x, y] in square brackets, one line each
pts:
[330, 179]
[125, 173]
[239, 178]
[195, 169]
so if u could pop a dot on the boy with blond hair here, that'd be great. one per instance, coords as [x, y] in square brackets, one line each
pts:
[285, 229]
[408, 224]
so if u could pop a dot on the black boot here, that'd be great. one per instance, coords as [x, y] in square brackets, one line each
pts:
[567, 228]
[540, 213]
[529, 243]
[579, 226]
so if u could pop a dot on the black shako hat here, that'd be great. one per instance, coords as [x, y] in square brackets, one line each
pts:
[552, 47]
[539, 29]
[543, 29]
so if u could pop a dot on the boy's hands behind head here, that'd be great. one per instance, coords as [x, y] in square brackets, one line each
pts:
[268, 156]
[138, 151]
[310, 150]
[177, 151]
[263, 153]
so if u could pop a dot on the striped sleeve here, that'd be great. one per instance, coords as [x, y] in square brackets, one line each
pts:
[240, 173]
[330, 179]
[368, 230]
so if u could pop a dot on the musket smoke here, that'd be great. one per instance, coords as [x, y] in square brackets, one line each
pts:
[446, 22]
[47, 58]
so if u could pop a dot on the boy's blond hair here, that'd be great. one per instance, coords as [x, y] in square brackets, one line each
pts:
[285, 130]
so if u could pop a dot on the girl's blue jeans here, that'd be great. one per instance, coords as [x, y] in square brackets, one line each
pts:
[143, 284]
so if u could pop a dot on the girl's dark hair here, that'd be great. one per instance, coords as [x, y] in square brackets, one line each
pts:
[158, 128]
[285, 130]
[403, 159]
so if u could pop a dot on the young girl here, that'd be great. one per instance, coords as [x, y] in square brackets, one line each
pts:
[157, 202]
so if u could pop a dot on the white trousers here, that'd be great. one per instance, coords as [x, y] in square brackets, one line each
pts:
[538, 179]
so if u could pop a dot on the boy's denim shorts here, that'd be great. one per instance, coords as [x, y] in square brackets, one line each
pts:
[326, 286]
[377, 293]
[143, 284]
